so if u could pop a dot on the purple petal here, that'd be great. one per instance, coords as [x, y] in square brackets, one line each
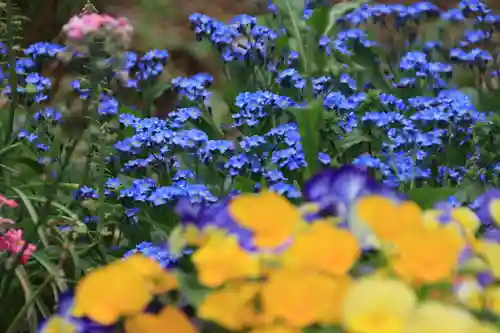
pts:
[483, 205]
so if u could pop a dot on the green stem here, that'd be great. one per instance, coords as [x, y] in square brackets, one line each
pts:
[27, 305]
[298, 35]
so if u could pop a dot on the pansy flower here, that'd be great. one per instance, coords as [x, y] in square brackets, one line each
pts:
[336, 190]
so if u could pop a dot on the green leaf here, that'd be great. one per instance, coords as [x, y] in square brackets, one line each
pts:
[190, 288]
[352, 139]
[309, 120]
[176, 241]
[243, 184]
[338, 11]
[52, 269]
[427, 196]
[319, 19]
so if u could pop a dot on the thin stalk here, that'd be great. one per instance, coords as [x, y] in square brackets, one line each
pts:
[13, 326]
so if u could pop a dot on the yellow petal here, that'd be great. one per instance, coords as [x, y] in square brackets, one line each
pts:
[270, 216]
[169, 319]
[494, 209]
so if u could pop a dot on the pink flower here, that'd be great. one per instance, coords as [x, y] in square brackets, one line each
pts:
[80, 26]
[9, 202]
[12, 241]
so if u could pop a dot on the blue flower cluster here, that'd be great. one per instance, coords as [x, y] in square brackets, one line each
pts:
[404, 115]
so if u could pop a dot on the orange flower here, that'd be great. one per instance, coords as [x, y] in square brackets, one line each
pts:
[232, 307]
[169, 319]
[299, 298]
[270, 216]
[162, 280]
[324, 248]
[428, 255]
[386, 218]
[123, 288]
[333, 313]
[221, 259]
[276, 329]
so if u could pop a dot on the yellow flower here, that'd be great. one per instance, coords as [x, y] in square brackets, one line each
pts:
[299, 298]
[386, 218]
[196, 237]
[270, 216]
[492, 299]
[168, 319]
[374, 305]
[416, 256]
[324, 248]
[494, 210]
[232, 307]
[470, 293]
[122, 288]
[491, 253]
[436, 317]
[334, 311]
[221, 259]
[466, 218]
[163, 281]
[58, 324]
[276, 329]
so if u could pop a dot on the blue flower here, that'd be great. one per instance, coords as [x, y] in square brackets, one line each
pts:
[159, 253]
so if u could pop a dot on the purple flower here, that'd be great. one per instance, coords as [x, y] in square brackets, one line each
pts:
[216, 215]
[80, 324]
[483, 206]
[336, 190]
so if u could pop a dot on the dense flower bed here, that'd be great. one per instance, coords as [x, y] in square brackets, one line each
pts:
[342, 179]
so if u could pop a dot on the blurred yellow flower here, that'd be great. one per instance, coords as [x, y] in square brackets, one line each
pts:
[197, 237]
[322, 247]
[299, 298]
[492, 299]
[221, 259]
[232, 307]
[277, 329]
[168, 319]
[417, 260]
[162, 280]
[470, 293]
[386, 218]
[333, 313]
[58, 324]
[491, 253]
[436, 317]
[494, 210]
[466, 218]
[123, 288]
[375, 305]
[270, 216]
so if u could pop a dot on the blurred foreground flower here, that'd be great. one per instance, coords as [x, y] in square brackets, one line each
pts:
[336, 190]
[124, 288]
